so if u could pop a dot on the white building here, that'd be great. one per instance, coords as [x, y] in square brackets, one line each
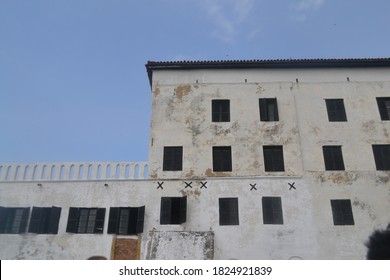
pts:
[263, 159]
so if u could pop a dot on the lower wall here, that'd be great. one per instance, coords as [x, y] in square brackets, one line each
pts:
[307, 231]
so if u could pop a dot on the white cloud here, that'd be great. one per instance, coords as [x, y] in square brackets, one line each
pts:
[305, 5]
[228, 16]
[302, 8]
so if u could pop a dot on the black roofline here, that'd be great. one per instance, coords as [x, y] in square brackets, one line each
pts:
[268, 64]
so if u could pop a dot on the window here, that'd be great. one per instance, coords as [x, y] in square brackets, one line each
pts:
[268, 109]
[342, 212]
[173, 210]
[384, 107]
[13, 220]
[273, 158]
[333, 158]
[45, 220]
[86, 220]
[272, 210]
[221, 110]
[382, 156]
[126, 220]
[222, 159]
[228, 211]
[336, 110]
[173, 159]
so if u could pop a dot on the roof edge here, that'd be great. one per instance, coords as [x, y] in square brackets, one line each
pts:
[270, 64]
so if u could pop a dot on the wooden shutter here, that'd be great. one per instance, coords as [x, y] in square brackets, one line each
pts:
[275, 116]
[277, 212]
[3, 214]
[23, 222]
[183, 210]
[54, 220]
[99, 222]
[223, 212]
[383, 111]
[263, 109]
[72, 220]
[165, 211]
[342, 212]
[140, 220]
[35, 221]
[113, 220]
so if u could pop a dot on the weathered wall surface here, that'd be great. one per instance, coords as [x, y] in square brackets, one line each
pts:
[181, 116]
[307, 232]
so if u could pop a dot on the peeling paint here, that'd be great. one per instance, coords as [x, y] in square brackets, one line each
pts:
[182, 90]
[339, 178]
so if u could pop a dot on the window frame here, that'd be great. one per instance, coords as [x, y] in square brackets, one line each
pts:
[44, 220]
[173, 210]
[228, 211]
[173, 158]
[342, 212]
[273, 158]
[272, 210]
[384, 107]
[220, 110]
[333, 157]
[335, 108]
[134, 224]
[13, 220]
[265, 105]
[381, 156]
[222, 159]
[73, 225]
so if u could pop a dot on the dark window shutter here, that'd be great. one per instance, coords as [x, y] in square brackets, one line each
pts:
[99, 222]
[35, 221]
[113, 220]
[277, 210]
[72, 220]
[223, 212]
[382, 156]
[54, 220]
[382, 108]
[272, 210]
[267, 210]
[275, 116]
[263, 109]
[342, 212]
[140, 220]
[3, 213]
[165, 210]
[220, 110]
[23, 222]
[336, 110]
[183, 210]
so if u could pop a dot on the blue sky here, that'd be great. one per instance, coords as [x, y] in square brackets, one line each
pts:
[73, 85]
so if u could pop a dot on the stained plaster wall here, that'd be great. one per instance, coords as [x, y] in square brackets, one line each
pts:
[181, 116]
[308, 231]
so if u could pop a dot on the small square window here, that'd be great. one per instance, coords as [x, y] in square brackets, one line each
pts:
[333, 158]
[382, 156]
[45, 220]
[272, 210]
[384, 107]
[336, 110]
[342, 212]
[173, 159]
[13, 220]
[228, 211]
[222, 159]
[273, 158]
[173, 210]
[126, 220]
[221, 110]
[268, 109]
[86, 220]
